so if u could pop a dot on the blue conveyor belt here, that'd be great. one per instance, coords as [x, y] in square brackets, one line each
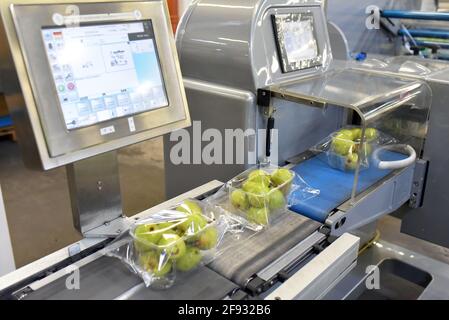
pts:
[335, 186]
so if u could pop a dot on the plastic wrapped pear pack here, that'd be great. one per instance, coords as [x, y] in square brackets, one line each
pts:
[171, 241]
[260, 194]
[343, 150]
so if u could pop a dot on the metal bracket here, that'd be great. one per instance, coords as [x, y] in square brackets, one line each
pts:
[263, 97]
[419, 184]
[110, 229]
[389, 26]
[256, 286]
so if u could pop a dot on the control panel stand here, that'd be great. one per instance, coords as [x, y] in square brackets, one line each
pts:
[95, 196]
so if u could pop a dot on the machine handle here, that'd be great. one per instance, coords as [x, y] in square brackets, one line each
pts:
[392, 165]
[270, 127]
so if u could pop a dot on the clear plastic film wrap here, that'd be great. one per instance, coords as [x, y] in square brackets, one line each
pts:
[171, 241]
[257, 196]
[344, 150]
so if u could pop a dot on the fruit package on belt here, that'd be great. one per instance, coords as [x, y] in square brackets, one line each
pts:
[343, 150]
[170, 241]
[261, 194]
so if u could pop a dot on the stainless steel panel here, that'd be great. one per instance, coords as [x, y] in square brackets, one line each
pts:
[94, 187]
[218, 108]
[56, 145]
[236, 38]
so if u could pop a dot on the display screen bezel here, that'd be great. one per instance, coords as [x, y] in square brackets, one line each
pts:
[282, 54]
[104, 23]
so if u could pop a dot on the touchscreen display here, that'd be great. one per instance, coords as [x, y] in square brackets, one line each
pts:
[104, 71]
[296, 40]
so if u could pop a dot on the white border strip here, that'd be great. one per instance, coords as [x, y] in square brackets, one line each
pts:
[7, 264]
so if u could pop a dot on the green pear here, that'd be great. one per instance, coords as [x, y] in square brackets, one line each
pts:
[151, 263]
[193, 224]
[356, 133]
[189, 260]
[172, 245]
[207, 239]
[258, 215]
[258, 196]
[347, 134]
[165, 226]
[260, 177]
[146, 235]
[190, 207]
[342, 145]
[239, 199]
[248, 186]
[371, 134]
[277, 200]
[351, 161]
[281, 176]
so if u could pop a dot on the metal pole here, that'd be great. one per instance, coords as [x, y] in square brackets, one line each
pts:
[415, 15]
[426, 33]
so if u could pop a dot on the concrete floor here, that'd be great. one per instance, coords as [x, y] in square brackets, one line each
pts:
[40, 218]
[38, 205]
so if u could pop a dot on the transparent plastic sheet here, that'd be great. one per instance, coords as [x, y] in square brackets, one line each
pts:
[256, 197]
[343, 150]
[409, 65]
[171, 241]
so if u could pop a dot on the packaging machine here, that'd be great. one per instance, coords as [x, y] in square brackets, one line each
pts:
[121, 87]
[257, 64]
[247, 73]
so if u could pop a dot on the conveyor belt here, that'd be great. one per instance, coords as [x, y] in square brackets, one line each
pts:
[256, 251]
[335, 186]
[107, 278]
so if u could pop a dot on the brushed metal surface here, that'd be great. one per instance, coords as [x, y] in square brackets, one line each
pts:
[94, 191]
[236, 38]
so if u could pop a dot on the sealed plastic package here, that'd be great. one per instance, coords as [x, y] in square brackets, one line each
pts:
[260, 194]
[171, 241]
[345, 149]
